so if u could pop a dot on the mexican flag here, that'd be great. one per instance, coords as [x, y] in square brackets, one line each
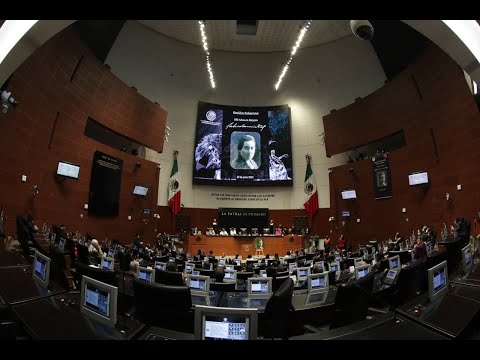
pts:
[174, 192]
[310, 188]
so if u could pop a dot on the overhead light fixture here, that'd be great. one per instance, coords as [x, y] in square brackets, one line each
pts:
[207, 52]
[301, 34]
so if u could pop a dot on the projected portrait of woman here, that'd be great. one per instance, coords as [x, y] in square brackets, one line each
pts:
[244, 150]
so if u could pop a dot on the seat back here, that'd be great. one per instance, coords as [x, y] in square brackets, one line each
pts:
[222, 286]
[164, 306]
[351, 305]
[278, 311]
[105, 276]
[278, 281]
[169, 278]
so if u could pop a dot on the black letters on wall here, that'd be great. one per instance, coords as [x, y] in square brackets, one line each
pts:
[105, 182]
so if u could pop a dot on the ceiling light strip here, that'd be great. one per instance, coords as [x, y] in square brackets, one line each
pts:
[207, 53]
[301, 34]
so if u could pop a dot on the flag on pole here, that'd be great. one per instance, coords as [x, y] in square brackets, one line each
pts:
[310, 188]
[174, 192]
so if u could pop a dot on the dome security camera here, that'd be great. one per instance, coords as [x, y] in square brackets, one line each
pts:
[362, 29]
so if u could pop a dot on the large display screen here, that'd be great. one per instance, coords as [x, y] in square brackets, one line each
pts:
[243, 146]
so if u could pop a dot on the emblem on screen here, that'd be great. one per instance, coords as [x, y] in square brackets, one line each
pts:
[211, 115]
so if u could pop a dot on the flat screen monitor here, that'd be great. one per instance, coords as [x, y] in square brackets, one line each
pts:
[292, 266]
[259, 287]
[146, 274]
[428, 247]
[195, 272]
[61, 244]
[335, 266]
[107, 263]
[68, 170]
[437, 280]
[189, 267]
[349, 194]
[222, 323]
[243, 146]
[418, 178]
[467, 258]
[358, 261]
[41, 269]
[160, 266]
[171, 259]
[394, 262]
[238, 262]
[390, 277]
[53, 238]
[230, 275]
[99, 301]
[221, 262]
[317, 282]
[361, 271]
[229, 267]
[302, 273]
[140, 190]
[198, 284]
[316, 298]
[263, 273]
[110, 253]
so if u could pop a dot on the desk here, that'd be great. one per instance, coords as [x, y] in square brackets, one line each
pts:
[156, 333]
[59, 318]
[232, 245]
[241, 300]
[453, 315]
[299, 300]
[383, 327]
[17, 285]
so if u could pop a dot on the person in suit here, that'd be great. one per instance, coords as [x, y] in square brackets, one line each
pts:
[219, 274]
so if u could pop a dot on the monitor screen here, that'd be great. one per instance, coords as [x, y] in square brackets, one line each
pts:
[229, 267]
[145, 274]
[437, 280]
[243, 146]
[231, 275]
[345, 213]
[217, 323]
[357, 261]
[171, 259]
[41, 269]
[292, 266]
[140, 190]
[195, 272]
[318, 281]
[107, 263]
[349, 194]
[61, 244]
[260, 287]
[361, 271]
[316, 297]
[391, 274]
[160, 265]
[302, 273]
[394, 262]
[238, 262]
[99, 301]
[334, 267]
[189, 267]
[110, 253]
[467, 258]
[418, 178]
[199, 283]
[68, 170]
[263, 273]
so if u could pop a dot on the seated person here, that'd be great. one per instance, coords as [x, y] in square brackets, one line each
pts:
[206, 264]
[420, 249]
[219, 274]
[95, 253]
[317, 269]
[281, 268]
[233, 232]
[249, 267]
[223, 232]
[271, 272]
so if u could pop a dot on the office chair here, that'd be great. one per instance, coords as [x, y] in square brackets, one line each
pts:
[223, 286]
[279, 312]
[105, 276]
[169, 278]
[165, 306]
[278, 281]
[82, 254]
[351, 305]
[206, 272]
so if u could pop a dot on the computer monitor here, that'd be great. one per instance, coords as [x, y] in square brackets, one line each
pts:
[107, 263]
[221, 262]
[467, 258]
[189, 267]
[335, 266]
[222, 323]
[302, 273]
[230, 275]
[140, 190]
[316, 298]
[437, 280]
[357, 262]
[61, 244]
[52, 238]
[361, 271]
[195, 272]
[317, 282]
[41, 269]
[99, 301]
[349, 194]
[418, 178]
[198, 284]
[68, 170]
[146, 274]
[281, 260]
[110, 253]
[263, 273]
[238, 262]
[229, 267]
[428, 247]
[394, 262]
[160, 265]
[292, 266]
[259, 287]
[171, 259]
[390, 277]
